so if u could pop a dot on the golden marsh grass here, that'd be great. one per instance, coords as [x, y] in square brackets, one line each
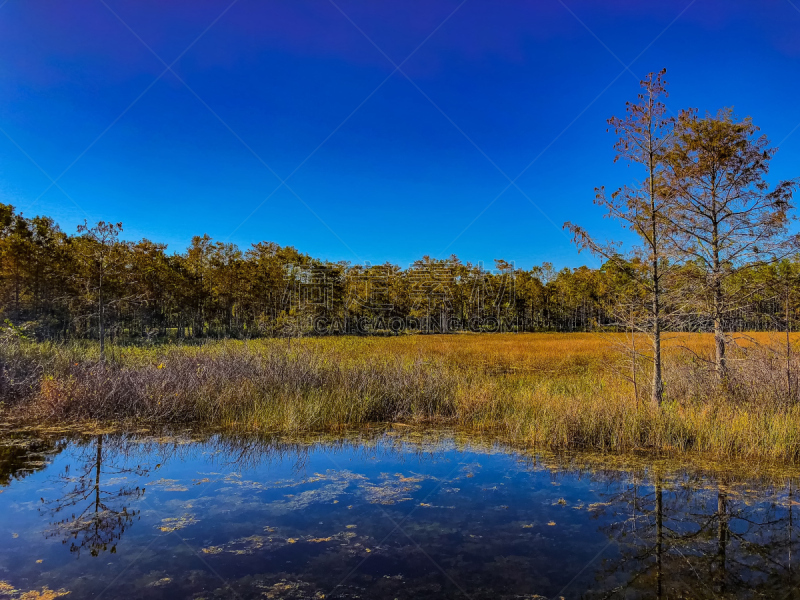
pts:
[540, 390]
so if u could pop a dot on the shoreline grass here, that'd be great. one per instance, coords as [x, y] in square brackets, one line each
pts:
[554, 391]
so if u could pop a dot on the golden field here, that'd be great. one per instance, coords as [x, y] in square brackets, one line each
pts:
[540, 390]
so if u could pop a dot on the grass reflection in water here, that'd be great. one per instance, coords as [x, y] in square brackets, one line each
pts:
[383, 515]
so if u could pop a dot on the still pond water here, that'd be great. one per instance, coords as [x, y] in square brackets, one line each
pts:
[387, 515]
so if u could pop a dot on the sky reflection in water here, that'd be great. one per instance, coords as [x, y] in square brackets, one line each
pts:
[389, 516]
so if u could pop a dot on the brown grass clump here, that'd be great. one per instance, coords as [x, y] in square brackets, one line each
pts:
[546, 390]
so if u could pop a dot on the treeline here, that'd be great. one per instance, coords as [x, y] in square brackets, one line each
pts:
[714, 252]
[59, 286]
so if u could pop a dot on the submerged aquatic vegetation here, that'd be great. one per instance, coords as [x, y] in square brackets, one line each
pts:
[542, 390]
[171, 524]
[8, 591]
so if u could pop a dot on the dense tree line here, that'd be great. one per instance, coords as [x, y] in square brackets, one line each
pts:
[62, 286]
[715, 253]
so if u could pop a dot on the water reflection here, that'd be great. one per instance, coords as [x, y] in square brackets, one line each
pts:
[95, 499]
[702, 539]
[21, 455]
[383, 516]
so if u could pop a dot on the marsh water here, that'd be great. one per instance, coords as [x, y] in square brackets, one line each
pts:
[391, 514]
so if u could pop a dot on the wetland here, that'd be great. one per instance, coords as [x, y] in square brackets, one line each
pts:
[384, 512]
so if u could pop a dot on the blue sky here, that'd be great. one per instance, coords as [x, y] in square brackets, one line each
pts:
[379, 164]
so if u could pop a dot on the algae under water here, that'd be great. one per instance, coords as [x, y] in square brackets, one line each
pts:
[383, 515]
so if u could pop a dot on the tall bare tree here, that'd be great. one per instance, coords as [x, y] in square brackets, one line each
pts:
[726, 217]
[102, 239]
[644, 133]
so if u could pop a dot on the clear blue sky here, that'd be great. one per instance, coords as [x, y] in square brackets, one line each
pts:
[382, 164]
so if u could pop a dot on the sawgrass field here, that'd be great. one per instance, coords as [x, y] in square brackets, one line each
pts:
[559, 391]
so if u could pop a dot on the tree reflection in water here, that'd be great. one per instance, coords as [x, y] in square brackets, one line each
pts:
[96, 498]
[698, 538]
[675, 530]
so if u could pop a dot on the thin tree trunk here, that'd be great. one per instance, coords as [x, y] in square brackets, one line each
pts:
[791, 526]
[102, 320]
[659, 534]
[633, 364]
[658, 384]
[722, 538]
[98, 463]
[788, 348]
[719, 334]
